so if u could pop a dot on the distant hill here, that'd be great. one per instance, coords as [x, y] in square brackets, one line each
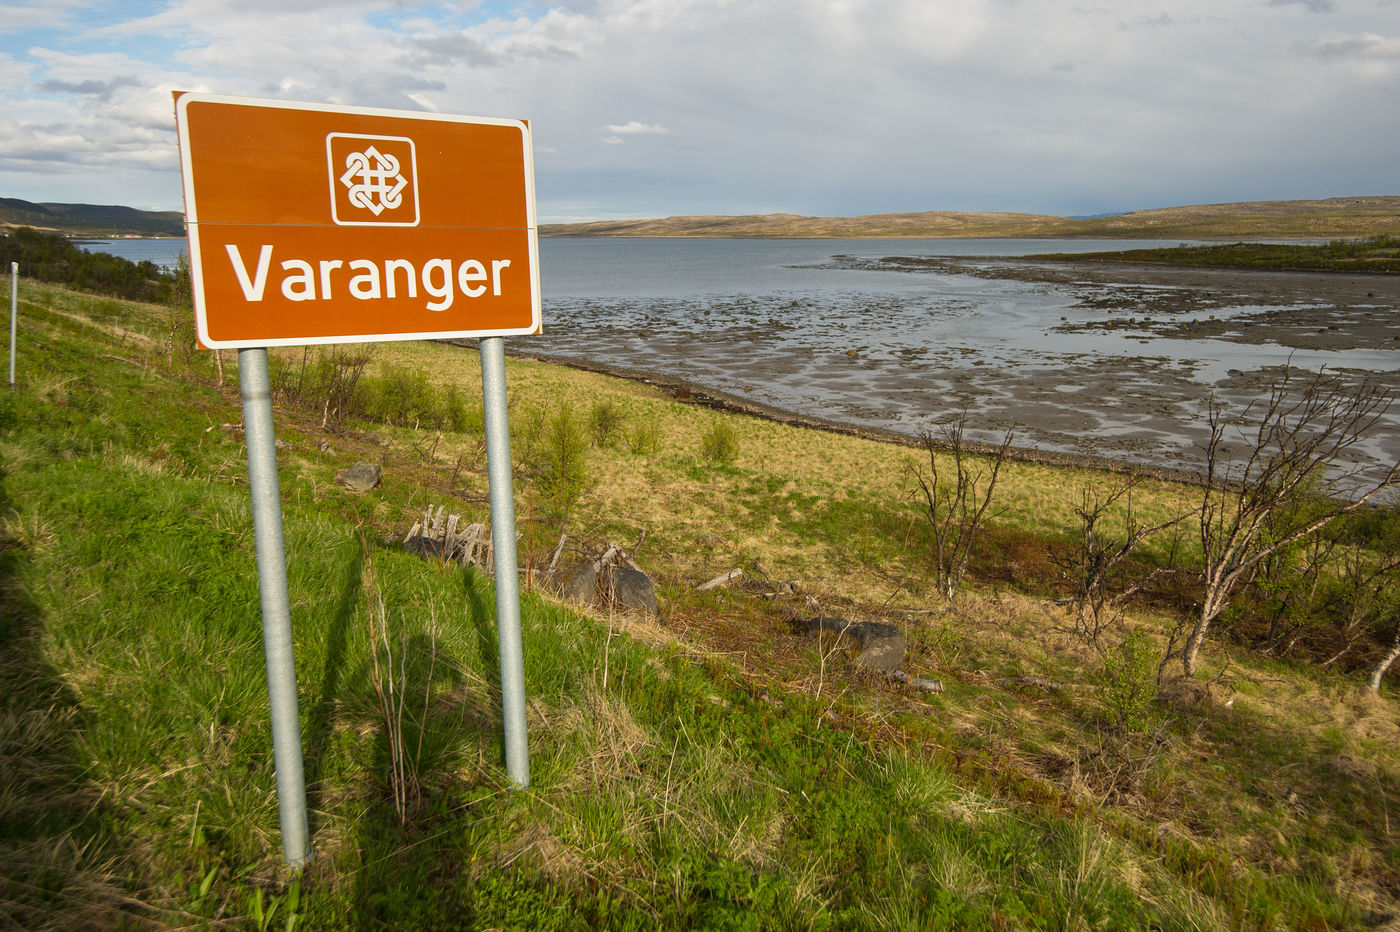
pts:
[1333, 218]
[91, 219]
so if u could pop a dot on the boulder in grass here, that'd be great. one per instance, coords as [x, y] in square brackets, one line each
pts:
[877, 645]
[615, 587]
[362, 477]
[577, 583]
[630, 590]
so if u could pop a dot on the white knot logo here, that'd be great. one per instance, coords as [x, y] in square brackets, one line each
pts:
[373, 180]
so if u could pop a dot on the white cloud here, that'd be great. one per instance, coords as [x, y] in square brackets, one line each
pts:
[635, 128]
[825, 106]
[19, 17]
[13, 73]
[1365, 46]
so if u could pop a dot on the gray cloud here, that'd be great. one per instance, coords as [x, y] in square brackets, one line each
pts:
[1311, 6]
[450, 49]
[817, 107]
[100, 90]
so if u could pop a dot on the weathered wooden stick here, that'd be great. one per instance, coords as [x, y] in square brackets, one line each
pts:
[558, 552]
[606, 558]
[918, 682]
[720, 580]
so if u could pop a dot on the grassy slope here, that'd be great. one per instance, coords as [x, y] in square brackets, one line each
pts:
[1323, 219]
[91, 219]
[1372, 255]
[709, 770]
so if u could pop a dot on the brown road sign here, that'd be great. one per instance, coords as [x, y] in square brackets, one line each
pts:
[320, 224]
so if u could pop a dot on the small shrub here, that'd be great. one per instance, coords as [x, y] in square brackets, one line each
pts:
[182, 348]
[644, 438]
[1129, 680]
[554, 453]
[605, 421]
[402, 399]
[526, 429]
[720, 444]
[326, 385]
[460, 416]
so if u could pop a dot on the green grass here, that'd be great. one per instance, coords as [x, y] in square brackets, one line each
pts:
[1376, 254]
[709, 771]
[663, 797]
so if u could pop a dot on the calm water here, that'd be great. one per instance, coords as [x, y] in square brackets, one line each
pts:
[573, 268]
[163, 252]
[868, 332]
[650, 268]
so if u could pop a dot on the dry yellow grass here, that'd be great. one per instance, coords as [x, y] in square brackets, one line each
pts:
[712, 519]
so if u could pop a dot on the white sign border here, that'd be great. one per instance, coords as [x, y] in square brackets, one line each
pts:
[182, 102]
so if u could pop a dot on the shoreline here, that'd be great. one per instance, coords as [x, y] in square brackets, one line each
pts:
[688, 392]
[1114, 413]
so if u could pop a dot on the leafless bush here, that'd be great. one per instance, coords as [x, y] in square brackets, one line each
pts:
[1286, 489]
[1097, 564]
[1292, 585]
[325, 382]
[956, 506]
[1389, 657]
[1369, 582]
[1377, 603]
[394, 688]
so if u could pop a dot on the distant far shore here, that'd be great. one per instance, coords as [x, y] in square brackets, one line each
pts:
[1332, 218]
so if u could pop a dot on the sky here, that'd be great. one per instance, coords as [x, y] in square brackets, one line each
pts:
[653, 108]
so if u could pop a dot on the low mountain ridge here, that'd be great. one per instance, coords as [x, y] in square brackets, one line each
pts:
[1338, 217]
[90, 219]
[1327, 218]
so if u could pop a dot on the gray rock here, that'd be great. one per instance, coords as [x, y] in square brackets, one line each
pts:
[631, 590]
[577, 583]
[616, 587]
[362, 477]
[877, 645]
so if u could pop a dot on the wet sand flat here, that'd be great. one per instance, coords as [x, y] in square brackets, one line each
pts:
[1082, 359]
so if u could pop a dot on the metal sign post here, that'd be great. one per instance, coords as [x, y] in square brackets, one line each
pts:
[255, 384]
[493, 396]
[315, 224]
[14, 315]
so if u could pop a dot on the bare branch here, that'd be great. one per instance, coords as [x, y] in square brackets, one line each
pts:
[1286, 484]
[955, 507]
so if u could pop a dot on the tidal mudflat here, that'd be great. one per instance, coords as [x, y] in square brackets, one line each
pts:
[1081, 359]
